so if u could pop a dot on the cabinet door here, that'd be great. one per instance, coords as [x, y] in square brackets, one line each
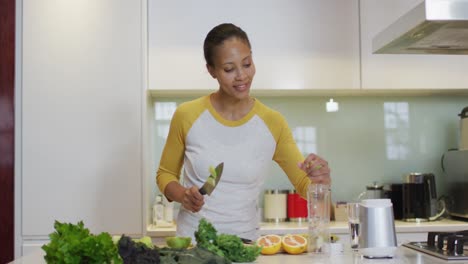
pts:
[81, 115]
[398, 71]
[299, 44]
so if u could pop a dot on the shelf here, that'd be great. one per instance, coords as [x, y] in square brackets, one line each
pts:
[339, 228]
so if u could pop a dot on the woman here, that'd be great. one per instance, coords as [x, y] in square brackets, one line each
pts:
[232, 127]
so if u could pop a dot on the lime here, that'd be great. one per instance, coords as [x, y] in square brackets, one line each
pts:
[178, 242]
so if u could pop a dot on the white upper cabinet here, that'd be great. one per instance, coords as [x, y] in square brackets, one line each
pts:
[297, 45]
[387, 71]
[82, 86]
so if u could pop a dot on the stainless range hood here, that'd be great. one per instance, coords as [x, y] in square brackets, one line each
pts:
[432, 27]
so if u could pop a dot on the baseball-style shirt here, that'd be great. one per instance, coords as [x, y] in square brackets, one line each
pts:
[199, 137]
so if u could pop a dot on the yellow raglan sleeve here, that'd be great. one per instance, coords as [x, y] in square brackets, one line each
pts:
[287, 155]
[173, 154]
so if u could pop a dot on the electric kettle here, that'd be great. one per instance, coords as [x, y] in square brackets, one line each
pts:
[373, 191]
[377, 237]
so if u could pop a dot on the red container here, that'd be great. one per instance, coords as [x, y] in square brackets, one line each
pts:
[297, 207]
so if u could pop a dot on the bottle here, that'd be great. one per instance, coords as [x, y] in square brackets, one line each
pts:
[168, 211]
[158, 210]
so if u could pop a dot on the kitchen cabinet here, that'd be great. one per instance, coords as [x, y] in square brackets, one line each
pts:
[398, 71]
[297, 45]
[81, 90]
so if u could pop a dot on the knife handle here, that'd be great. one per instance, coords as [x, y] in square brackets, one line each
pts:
[202, 191]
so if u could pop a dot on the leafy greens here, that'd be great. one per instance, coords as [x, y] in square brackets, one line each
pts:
[74, 244]
[228, 246]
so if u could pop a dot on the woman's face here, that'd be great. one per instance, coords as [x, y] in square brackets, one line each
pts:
[233, 68]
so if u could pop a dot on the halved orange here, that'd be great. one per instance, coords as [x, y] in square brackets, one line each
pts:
[294, 244]
[270, 244]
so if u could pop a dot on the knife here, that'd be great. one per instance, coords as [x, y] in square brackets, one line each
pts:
[212, 180]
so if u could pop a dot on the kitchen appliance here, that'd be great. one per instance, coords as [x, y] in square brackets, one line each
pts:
[212, 180]
[396, 196]
[274, 205]
[373, 191]
[297, 207]
[420, 198]
[444, 245]
[455, 166]
[432, 27]
[377, 237]
[464, 129]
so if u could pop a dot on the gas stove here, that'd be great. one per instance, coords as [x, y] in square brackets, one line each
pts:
[444, 245]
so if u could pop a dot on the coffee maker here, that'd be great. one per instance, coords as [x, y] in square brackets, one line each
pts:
[419, 197]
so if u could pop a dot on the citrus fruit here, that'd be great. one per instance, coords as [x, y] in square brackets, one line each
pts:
[270, 244]
[294, 244]
[178, 242]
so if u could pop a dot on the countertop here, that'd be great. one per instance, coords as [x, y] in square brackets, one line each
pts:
[403, 255]
[339, 228]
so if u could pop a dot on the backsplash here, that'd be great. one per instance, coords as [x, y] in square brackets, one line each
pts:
[370, 138]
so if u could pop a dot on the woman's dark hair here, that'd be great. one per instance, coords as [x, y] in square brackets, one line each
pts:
[218, 35]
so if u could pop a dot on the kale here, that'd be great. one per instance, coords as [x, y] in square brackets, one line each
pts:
[137, 252]
[71, 244]
[194, 255]
[235, 250]
[228, 246]
[206, 237]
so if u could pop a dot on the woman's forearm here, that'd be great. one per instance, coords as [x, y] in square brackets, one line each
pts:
[174, 192]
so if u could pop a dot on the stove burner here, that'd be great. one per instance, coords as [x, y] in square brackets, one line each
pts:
[444, 245]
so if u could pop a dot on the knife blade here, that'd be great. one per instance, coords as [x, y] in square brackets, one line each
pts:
[212, 180]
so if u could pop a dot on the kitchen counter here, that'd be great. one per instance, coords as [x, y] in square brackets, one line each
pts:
[339, 228]
[403, 255]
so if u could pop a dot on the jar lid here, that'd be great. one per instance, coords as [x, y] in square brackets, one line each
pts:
[275, 191]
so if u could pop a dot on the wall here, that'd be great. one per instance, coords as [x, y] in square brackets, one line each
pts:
[369, 139]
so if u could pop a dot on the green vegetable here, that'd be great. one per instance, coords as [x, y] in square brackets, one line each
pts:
[229, 246]
[178, 242]
[146, 240]
[194, 255]
[137, 252]
[235, 250]
[213, 172]
[71, 244]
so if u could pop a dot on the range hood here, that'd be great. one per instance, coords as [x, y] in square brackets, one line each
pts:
[432, 27]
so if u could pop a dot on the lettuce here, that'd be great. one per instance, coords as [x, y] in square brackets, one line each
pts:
[71, 244]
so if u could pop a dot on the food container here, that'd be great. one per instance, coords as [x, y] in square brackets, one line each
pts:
[297, 207]
[274, 207]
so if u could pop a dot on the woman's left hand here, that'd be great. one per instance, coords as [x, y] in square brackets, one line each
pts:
[316, 168]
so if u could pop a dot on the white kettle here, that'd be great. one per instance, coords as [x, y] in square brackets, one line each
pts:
[377, 237]
[463, 145]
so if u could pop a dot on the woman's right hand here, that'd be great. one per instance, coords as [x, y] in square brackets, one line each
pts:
[192, 199]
